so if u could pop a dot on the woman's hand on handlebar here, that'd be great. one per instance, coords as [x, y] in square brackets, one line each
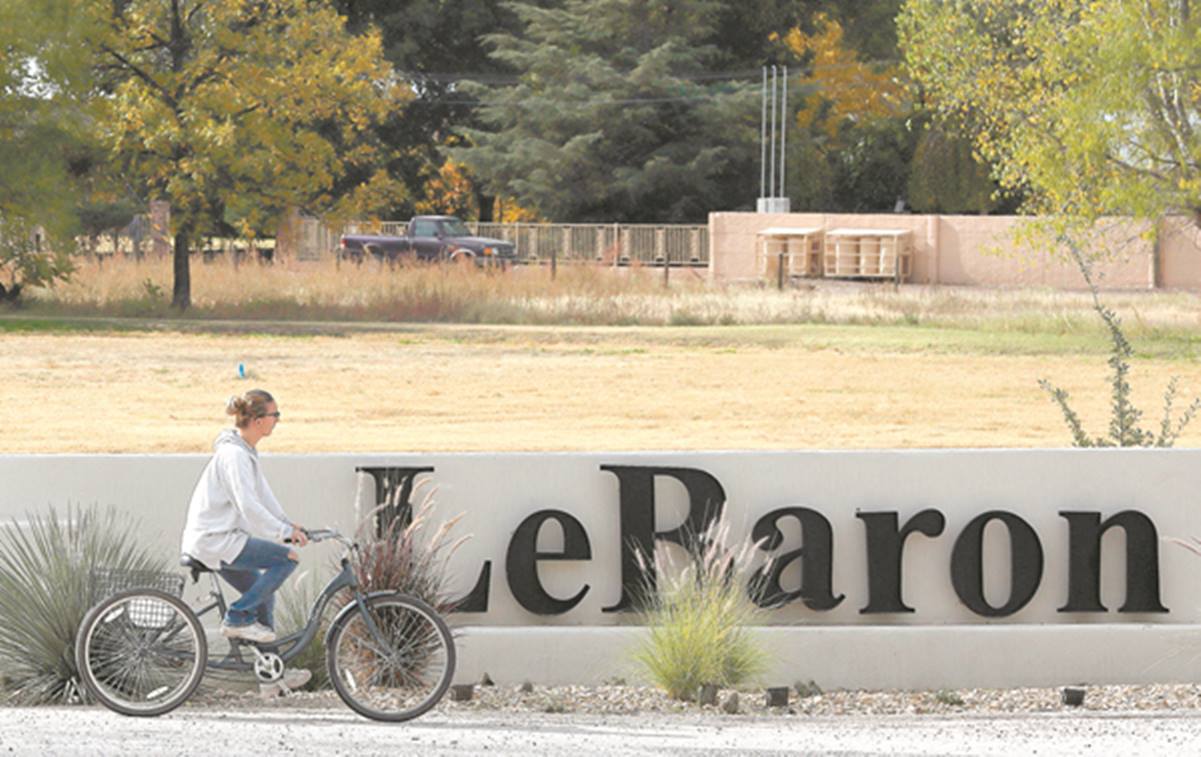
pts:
[299, 536]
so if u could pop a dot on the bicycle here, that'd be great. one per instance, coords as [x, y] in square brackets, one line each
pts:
[143, 651]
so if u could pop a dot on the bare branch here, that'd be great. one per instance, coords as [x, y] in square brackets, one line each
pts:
[136, 70]
[1135, 169]
[196, 9]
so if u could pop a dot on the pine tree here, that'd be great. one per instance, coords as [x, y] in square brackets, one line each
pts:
[614, 117]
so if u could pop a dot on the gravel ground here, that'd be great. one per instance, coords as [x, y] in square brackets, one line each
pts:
[635, 720]
[228, 731]
[639, 700]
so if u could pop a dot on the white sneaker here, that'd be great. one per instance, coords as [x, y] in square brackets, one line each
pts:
[292, 679]
[256, 632]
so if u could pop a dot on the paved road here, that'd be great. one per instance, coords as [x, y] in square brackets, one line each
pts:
[89, 731]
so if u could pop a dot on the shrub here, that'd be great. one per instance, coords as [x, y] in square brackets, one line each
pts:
[1124, 429]
[697, 617]
[948, 697]
[45, 589]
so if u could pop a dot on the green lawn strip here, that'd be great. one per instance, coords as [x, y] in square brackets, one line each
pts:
[859, 339]
[1159, 343]
[10, 324]
[102, 324]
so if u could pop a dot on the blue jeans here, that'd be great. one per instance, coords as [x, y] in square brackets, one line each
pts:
[258, 571]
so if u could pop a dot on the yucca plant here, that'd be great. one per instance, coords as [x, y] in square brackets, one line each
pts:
[46, 564]
[698, 617]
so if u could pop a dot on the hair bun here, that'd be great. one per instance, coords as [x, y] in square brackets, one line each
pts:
[235, 405]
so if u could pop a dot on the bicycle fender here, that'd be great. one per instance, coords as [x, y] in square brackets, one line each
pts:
[350, 608]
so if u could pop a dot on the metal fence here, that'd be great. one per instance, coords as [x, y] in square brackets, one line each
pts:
[606, 244]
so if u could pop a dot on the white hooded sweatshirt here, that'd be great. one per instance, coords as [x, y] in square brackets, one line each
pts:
[231, 503]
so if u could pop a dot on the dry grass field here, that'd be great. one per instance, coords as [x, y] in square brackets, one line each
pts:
[372, 358]
[452, 388]
[583, 296]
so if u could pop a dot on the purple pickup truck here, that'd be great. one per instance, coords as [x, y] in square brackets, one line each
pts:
[429, 239]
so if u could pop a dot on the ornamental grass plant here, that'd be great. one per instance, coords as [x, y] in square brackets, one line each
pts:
[46, 564]
[399, 553]
[296, 600]
[698, 616]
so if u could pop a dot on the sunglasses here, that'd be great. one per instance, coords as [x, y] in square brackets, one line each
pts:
[270, 415]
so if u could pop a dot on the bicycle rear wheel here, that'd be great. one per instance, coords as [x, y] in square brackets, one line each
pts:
[141, 652]
[402, 673]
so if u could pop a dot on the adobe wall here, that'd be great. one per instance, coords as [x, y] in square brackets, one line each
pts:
[1179, 256]
[982, 250]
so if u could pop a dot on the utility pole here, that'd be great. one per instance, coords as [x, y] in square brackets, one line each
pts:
[772, 194]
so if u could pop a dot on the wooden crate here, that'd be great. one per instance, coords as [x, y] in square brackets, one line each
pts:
[841, 257]
[800, 249]
[868, 254]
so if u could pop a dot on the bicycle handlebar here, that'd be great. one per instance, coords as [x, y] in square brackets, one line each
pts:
[318, 535]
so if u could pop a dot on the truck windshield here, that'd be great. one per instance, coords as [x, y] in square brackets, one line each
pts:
[455, 228]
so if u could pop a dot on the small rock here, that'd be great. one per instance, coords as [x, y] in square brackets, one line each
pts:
[462, 692]
[526, 687]
[1072, 696]
[707, 694]
[806, 690]
[731, 703]
[487, 680]
[777, 696]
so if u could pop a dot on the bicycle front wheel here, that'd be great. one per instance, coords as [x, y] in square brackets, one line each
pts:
[397, 671]
[141, 652]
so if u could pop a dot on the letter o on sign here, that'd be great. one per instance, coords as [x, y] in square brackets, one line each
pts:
[967, 569]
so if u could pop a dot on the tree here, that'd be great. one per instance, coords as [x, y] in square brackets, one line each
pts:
[234, 110]
[42, 130]
[946, 177]
[616, 115]
[433, 45]
[1089, 106]
[852, 125]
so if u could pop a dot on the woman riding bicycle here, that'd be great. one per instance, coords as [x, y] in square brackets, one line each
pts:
[236, 526]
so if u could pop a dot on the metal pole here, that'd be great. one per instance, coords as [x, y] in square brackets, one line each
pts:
[763, 140]
[783, 126]
[772, 164]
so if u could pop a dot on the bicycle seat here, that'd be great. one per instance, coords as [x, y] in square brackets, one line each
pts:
[194, 565]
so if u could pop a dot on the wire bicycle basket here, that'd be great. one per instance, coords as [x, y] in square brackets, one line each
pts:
[148, 612]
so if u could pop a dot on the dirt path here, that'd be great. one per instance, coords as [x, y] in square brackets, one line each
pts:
[450, 389]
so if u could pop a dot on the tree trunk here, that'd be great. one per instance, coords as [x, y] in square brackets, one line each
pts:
[485, 202]
[181, 296]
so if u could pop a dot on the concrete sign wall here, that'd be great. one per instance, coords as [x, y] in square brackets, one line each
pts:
[965, 541]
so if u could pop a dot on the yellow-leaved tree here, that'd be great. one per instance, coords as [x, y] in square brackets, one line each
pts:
[850, 148]
[449, 190]
[236, 109]
[1090, 107]
[843, 90]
